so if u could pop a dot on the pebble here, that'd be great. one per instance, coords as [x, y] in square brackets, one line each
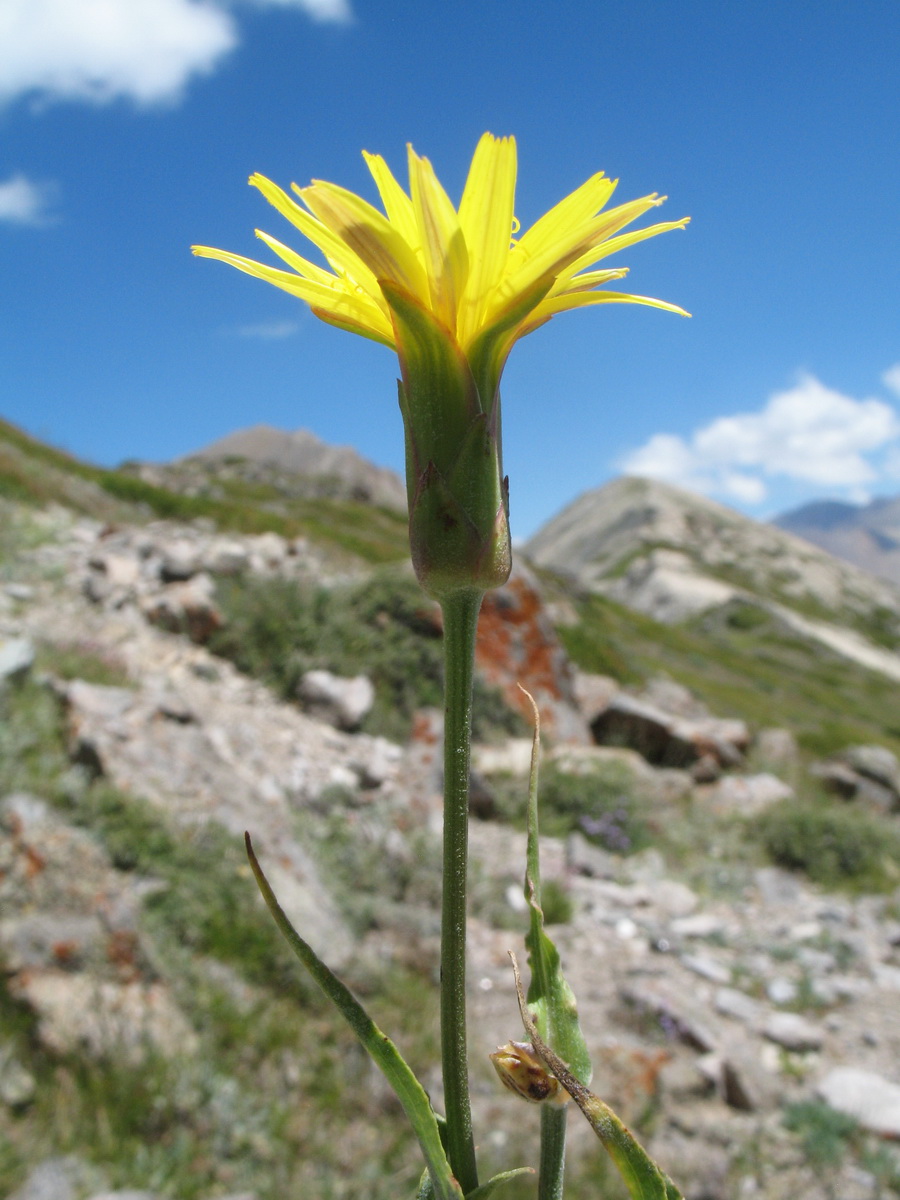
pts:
[793, 1031]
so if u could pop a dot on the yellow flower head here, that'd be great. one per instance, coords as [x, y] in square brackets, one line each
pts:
[464, 266]
[451, 290]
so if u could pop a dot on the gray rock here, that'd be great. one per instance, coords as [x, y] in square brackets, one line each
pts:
[19, 591]
[584, 858]
[877, 763]
[675, 1014]
[776, 747]
[96, 700]
[781, 990]
[777, 887]
[706, 967]
[41, 939]
[697, 925]
[23, 812]
[670, 896]
[869, 1098]
[733, 1003]
[837, 778]
[747, 795]
[53, 1179]
[127, 1194]
[16, 657]
[268, 551]
[341, 702]
[512, 757]
[81, 1013]
[666, 739]
[187, 607]
[119, 570]
[180, 561]
[17, 1084]
[793, 1031]
[593, 693]
[226, 558]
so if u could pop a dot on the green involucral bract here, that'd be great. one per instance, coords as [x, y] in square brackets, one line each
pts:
[458, 503]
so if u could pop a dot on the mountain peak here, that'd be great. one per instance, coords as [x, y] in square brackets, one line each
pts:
[302, 453]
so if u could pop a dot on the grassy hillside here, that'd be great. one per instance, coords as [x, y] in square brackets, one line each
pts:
[741, 661]
[34, 472]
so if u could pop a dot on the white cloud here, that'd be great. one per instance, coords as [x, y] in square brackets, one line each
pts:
[143, 50]
[809, 434]
[319, 10]
[269, 330]
[891, 378]
[24, 202]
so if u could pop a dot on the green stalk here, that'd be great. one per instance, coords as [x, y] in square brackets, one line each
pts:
[553, 1151]
[460, 611]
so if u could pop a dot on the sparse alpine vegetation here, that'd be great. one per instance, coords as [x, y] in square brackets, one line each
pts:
[749, 906]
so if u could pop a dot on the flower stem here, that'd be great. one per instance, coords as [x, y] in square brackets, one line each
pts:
[460, 611]
[553, 1151]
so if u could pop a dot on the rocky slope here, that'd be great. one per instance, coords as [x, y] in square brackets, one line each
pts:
[745, 1020]
[673, 555]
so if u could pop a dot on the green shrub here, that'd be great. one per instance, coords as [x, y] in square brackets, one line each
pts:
[82, 660]
[601, 804]
[833, 843]
[385, 628]
[556, 903]
[823, 1131]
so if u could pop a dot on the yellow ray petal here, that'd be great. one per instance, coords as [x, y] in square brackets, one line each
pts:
[557, 304]
[565, 222]
[443, 245]
[587, 280]
[335, 250]
[333, 299]
[486, 214]
[309, 270]
[397, 204]
[613, 245]
[529, 260]
[368, 233]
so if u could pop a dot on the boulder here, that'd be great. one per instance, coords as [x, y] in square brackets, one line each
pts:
[53, 1179]
[81, 1013]
[867, 774]
[226, 558]
[793, 1031]
[517, 644]
[17, 1085]
[340, 701]
[747, 795]
[666, 739]
[876, 763]
[777, 747]
[16, 658]
[179, 561]
[186, 608]
[868, 1098]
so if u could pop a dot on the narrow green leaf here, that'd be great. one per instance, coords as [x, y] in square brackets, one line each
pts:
[488, 1189]
[409, 1091]
[550, 998]
[643, 1178]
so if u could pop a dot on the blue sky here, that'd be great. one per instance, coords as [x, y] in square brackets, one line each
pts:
[128, 129]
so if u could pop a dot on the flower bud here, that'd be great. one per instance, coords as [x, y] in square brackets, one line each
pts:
[522, 1072]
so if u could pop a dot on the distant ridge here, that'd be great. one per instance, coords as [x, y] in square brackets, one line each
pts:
[674, 556]
[867, 535]
[302, 453]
